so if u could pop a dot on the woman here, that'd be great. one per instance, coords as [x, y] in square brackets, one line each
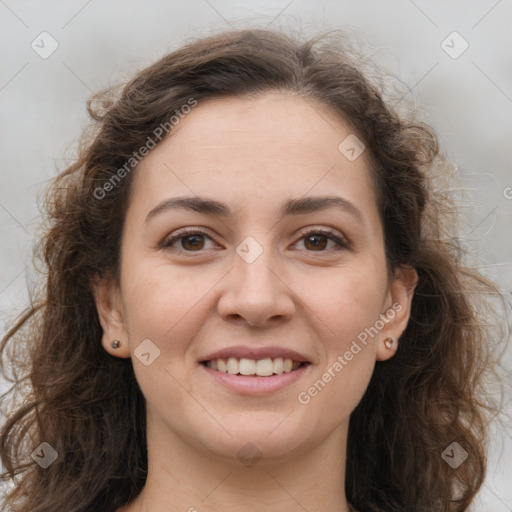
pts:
[253, 300]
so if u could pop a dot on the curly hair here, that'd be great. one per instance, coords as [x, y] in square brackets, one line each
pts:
[87, 404]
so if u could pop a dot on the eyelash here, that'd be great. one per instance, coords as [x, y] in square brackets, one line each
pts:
[343, 244]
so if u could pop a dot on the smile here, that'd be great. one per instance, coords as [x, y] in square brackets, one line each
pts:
[254, 367]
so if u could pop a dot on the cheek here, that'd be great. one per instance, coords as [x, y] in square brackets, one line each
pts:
[347, 301]
[344, 308]
[163, 305]
[160, 301]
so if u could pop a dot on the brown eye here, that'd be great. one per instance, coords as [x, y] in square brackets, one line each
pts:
[194, 241]
[190, 241]
[317, 240]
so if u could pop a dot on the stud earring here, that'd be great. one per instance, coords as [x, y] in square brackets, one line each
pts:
[116, 344]
[390, 343]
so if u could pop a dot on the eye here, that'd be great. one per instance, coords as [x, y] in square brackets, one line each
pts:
[191, 240]
[319, 238]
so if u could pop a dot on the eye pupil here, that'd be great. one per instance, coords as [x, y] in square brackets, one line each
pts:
[193, 245]
[317, 244]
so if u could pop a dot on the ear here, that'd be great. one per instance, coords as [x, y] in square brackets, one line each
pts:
[107, 296]
[397, 312]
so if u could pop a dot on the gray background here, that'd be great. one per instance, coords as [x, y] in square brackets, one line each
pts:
[467, 99]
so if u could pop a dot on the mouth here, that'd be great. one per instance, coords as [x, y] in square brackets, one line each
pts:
[255, 371]
[267, 367]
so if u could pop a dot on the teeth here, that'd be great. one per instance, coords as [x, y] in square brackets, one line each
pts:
[261, 367]
[264, 367]
[233, 366]
[247, 366]
[278, 365]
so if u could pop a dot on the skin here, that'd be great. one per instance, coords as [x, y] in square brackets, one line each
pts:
[252, 154]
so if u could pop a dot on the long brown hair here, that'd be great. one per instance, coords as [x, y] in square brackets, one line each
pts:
[87, 405]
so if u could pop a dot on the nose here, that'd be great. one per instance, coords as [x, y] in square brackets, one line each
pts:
[256, 292]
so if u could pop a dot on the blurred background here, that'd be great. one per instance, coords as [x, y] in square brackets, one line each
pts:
[452, 58]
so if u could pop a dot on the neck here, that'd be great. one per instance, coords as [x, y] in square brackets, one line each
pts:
[182, 477]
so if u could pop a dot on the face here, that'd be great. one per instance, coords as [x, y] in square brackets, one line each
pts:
[269, 273]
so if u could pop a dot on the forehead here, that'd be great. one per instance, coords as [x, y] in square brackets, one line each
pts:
[256, 149]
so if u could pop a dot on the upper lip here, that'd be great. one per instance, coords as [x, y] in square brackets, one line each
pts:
[255, 353]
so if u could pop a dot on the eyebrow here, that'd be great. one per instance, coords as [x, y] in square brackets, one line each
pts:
[299, 206]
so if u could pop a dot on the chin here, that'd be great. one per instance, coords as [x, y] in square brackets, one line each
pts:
[269, 439]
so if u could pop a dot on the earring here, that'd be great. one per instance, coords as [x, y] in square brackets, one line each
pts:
[116, 344]
[390, 343]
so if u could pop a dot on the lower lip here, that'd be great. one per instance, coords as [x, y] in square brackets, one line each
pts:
[254, 385]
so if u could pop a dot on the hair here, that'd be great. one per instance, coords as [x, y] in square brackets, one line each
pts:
[87, 404]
